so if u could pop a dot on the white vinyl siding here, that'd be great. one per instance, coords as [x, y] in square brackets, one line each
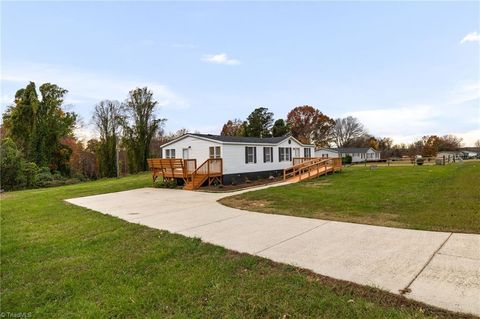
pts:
[250, 154]
[268, 154]
[170, 153]
[214, 152]
[296, 152]
[284, 154]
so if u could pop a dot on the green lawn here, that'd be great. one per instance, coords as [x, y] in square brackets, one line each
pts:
[63, 261]
[445, 198]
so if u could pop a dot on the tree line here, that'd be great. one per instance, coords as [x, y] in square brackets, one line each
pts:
[310, 126]
[39, 148]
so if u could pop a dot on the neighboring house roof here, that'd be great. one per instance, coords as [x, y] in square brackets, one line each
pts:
[238, 139]
[350, 149]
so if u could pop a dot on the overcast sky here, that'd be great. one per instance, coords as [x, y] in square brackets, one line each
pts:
[404, 69]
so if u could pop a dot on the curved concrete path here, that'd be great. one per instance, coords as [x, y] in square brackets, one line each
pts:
[438, 268]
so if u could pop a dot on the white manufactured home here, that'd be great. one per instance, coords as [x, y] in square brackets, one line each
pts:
[358, 154]
[242, 157]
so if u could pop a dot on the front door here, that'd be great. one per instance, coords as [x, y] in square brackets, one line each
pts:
[185, 153]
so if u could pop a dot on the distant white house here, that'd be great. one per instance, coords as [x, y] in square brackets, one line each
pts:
[358, 154]
[457, 154]
[242, 157]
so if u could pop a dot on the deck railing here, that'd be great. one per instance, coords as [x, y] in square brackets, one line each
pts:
[299, 160]
[190, 165]
[313, 167]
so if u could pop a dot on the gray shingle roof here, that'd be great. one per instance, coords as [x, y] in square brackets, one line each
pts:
[243, 139]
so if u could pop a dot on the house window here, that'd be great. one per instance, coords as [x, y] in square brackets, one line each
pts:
[250, 154]
[170, 153]
[296, 152]
[268, 154]
[307, 152]
[325, 155]
[215, 152]
[284, 154]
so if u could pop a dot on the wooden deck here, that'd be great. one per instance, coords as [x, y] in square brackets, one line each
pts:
[171, 168]
[194, 177]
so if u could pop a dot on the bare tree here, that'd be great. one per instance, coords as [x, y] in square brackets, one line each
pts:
[346, 129]
[141, 127]
[449, 143]
[108, 117]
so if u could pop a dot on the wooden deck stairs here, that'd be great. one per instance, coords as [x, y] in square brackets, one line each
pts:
[308, 168]
[211, 170]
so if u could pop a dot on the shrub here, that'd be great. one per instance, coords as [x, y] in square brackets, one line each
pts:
[166, 184]
[347, 159]
[44, 177]
[30, 171]
[11, 166]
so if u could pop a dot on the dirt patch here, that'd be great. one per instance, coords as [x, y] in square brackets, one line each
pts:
[251, 205]
[318, 184]
[6, 195]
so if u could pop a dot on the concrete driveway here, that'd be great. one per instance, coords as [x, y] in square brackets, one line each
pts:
[438, 268]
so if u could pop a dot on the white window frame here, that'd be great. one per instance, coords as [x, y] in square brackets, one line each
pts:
[214, 152]
[268, 154]
[170, 153]
[307, 150]
[250, 154]
[284, 154]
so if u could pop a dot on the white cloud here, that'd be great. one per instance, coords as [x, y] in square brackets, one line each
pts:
[465, 93]
[87, 87]
[85, 133]
[401, 121]
[469, 137]
[471, 37]
[221, 58]
[455, 112]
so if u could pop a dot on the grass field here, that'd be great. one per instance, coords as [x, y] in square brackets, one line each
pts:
[63, 261]
[444, 198]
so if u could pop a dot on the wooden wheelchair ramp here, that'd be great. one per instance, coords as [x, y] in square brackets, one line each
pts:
[308, 168]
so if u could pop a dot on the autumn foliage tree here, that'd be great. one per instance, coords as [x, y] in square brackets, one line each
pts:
[234, 127]
[309, 125]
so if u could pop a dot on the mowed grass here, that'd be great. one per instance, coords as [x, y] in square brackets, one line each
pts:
[63, 261]
[443, 198]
